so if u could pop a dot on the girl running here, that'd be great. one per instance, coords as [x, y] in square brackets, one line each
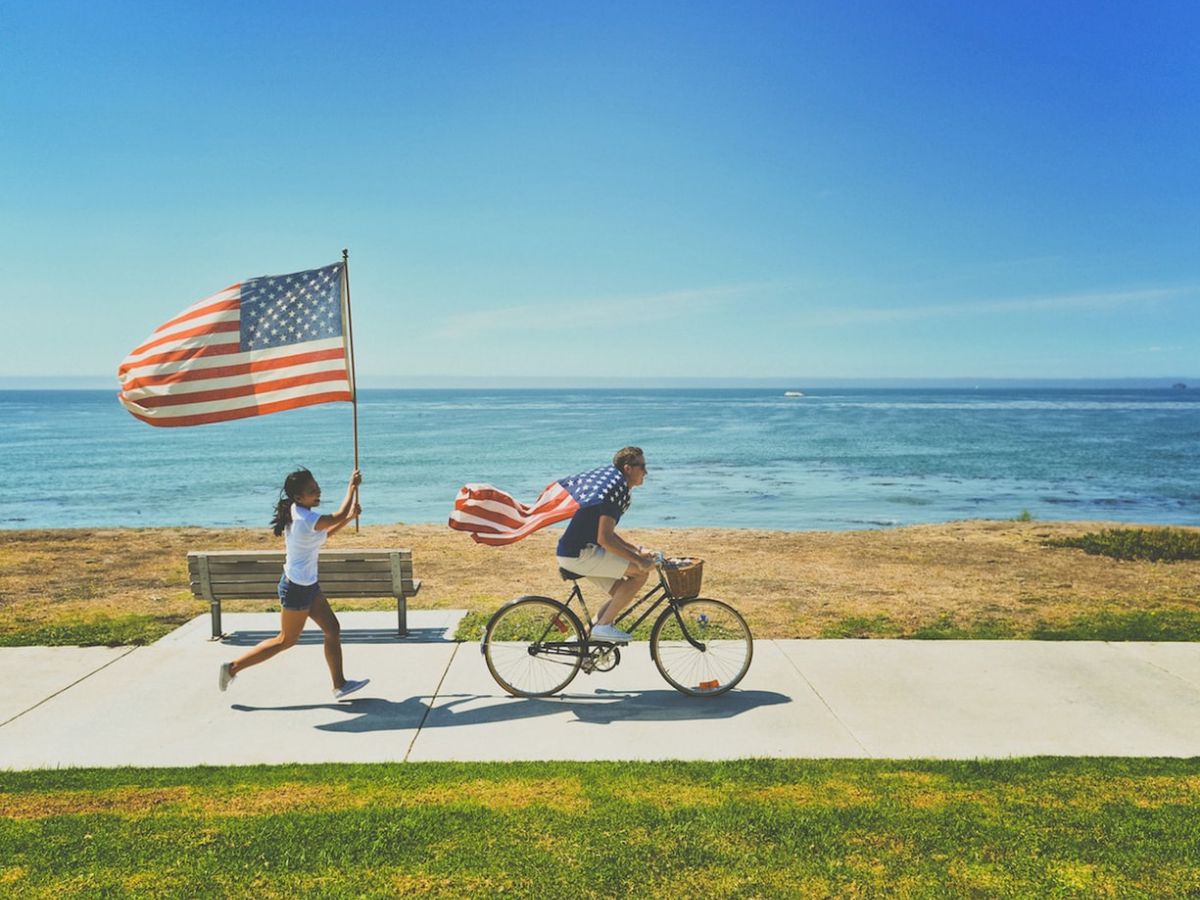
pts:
[299, 591]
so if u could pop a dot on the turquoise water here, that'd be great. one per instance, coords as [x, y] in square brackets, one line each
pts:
[833, 459]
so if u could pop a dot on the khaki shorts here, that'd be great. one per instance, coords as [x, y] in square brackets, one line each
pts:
[597, 565]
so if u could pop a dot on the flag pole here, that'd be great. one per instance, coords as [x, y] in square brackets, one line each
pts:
[350, 353]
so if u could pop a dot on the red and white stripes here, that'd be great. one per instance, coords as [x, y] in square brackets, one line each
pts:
[191, 370]
[494, 517]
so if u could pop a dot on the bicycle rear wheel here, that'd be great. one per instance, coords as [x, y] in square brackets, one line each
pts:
[716, 657]
[533, 646]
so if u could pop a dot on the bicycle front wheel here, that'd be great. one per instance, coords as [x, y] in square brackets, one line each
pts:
[701, 647]
[533, 646]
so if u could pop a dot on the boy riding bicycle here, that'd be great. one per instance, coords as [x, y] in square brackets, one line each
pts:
[590, 546]
[534, 645]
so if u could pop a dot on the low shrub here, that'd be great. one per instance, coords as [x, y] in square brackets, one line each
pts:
[1153, 544]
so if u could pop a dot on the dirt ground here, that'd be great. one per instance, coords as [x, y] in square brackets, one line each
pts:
[787, 584]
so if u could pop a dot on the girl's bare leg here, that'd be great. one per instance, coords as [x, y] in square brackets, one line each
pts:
[291, 623]
[321, 613]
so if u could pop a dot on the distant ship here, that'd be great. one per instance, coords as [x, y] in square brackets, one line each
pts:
[1179, 386]
[793, 393]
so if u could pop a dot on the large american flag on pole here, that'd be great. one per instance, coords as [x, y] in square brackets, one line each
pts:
[261, 346]
[495, 517]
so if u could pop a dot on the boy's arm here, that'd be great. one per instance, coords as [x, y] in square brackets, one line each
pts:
[607, 537]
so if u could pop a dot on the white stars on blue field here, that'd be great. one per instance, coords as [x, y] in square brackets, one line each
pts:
[290, 309]
[604, 485]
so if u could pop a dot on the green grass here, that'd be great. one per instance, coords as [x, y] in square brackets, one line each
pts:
[770, 828]
[1151, 625]
[101, 631]
[944, 628]
[470, 627]
[1142, 625]
[1155, 625]
[1152, 544]
[863, 627]
[473, 623]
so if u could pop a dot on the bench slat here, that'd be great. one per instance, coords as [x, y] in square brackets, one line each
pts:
[273, 574]
[218, 555]
[218, 566]
[331, 590]
[375, 568]
[232, 588]
[336, 589]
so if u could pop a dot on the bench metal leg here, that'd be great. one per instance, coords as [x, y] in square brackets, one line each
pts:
[214, 602]
[402, 616]
[215, 608]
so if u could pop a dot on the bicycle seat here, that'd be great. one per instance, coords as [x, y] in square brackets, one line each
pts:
[568, 575]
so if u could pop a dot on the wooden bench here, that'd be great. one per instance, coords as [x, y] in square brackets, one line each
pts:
[218, 575]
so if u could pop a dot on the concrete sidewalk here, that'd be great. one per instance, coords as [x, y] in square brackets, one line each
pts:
[433, 699]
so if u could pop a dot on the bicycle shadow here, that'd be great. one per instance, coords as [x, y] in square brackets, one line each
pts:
[603, 707]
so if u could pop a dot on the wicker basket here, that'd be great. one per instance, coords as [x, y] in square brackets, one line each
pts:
[684, 576]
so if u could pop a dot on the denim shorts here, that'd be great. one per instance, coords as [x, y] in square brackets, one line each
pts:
[297, 596]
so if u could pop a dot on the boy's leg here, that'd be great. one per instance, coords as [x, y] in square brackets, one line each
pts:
[621, 594]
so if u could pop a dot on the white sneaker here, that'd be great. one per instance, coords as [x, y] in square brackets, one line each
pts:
[609, 633]
[225, 675]
[349, 688]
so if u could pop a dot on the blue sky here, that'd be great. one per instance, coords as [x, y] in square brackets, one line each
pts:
[650, 190]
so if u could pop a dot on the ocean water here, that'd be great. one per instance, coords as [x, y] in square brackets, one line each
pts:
[753, 458]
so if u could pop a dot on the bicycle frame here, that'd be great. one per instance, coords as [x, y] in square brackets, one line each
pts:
[654, 597]
[555, 633]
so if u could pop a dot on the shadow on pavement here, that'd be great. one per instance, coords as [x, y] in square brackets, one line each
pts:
[603, 707]
[349, 636]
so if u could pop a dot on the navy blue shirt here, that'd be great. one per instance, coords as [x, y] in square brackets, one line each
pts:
[584, 527]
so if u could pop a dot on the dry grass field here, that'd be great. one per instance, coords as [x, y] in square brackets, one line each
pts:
[959, 579]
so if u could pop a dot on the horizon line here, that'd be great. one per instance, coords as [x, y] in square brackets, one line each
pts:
[516, 382]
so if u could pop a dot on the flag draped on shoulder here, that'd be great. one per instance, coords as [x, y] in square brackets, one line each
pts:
[261, 346]
[494, 517]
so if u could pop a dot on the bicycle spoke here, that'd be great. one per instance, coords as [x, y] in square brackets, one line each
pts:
[533, 647]
[722, 658]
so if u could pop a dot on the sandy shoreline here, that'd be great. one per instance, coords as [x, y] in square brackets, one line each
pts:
[996, 575]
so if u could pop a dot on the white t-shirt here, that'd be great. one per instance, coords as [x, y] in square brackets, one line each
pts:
[303, 544]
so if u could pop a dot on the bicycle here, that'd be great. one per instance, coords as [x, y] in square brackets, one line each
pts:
[535, 646]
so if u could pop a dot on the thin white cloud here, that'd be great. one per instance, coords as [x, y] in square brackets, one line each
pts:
[1155, 349]
[1085, 302]
[595, 313]
[534, 319]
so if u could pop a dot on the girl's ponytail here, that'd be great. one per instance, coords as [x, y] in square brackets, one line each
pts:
[292, 485]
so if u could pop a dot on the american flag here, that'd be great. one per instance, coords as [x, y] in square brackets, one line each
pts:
[261, 346]
[494, 517]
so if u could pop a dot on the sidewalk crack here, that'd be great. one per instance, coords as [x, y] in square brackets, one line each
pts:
[432, 700]
[69, 686]
[812, 687]
[1152, 664]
